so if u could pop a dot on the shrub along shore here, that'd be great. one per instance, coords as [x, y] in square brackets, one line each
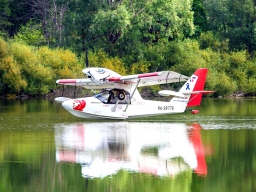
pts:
[32, 71]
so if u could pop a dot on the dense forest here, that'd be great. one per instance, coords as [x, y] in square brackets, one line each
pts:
[45, 40]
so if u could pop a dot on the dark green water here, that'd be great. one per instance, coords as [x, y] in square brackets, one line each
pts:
[44, 148]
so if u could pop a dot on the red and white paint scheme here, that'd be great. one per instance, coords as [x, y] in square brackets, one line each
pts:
[120, 98]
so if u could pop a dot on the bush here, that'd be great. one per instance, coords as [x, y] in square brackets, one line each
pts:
[31, 34]
[11, 75]
[101, 59]
[36, 70]
[225, 86]
[3, 48]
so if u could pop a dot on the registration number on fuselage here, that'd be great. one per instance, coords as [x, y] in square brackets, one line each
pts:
[166, 108]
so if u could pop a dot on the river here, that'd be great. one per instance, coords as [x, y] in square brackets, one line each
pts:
[45, 148]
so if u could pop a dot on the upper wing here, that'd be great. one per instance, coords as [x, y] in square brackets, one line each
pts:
[87, 83]
[146, 79]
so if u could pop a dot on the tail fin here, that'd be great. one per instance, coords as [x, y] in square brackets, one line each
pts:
[192, 91]
[194, 87]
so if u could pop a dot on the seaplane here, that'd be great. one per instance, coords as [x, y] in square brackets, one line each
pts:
[119, 97]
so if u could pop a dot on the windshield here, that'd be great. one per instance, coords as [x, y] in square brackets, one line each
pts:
[102, 96]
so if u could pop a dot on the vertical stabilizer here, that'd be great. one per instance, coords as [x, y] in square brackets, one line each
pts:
[191, 92]
[195, 98]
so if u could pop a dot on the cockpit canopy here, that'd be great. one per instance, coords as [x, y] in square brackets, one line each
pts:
[111, 96]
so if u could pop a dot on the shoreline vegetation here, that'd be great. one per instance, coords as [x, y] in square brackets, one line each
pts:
[32, 71]
[29, 71]
[82, 92]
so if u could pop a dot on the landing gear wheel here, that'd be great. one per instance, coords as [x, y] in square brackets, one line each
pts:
[121, 96]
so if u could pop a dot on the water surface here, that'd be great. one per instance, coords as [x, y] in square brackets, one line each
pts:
[44, 148]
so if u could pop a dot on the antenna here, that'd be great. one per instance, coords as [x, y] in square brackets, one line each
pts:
[86, 59]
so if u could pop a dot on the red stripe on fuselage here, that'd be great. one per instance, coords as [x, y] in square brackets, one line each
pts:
[148, 75]
[114, 79]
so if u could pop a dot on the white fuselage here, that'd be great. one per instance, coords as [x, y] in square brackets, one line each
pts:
[94, 108]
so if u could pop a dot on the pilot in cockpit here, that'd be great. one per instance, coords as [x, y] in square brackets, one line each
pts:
[112, 98]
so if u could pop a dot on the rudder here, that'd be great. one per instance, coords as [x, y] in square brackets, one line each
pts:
[195, 99]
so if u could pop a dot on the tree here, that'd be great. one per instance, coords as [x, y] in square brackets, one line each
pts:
[200, 20]
[4, 14]
[31, 34]
[126, 27]
[166, 20]
[235, 20]
[20, 15]
[50, 13]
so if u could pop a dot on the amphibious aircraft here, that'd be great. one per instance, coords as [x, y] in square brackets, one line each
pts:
[120, 99]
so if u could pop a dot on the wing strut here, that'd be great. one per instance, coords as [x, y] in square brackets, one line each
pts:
[62, 90]
[167, 78]
[91, 88]
[132, 95]
[75, 91]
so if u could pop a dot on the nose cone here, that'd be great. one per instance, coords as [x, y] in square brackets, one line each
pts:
[74, 104]
[68, 104]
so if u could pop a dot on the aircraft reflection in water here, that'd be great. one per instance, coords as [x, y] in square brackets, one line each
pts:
[103, 149]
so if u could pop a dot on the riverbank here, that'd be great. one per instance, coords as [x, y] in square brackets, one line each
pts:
[80, 92]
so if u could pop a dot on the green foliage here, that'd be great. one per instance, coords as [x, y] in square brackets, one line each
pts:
[225, 85]
[35, 74]
[187, 57]
[140, 67]
[11, 75]
[209, 40]
[31, 34]
[26, 69]
[101, 59]
[63, 62]
[3, 48]
[250, 85]
[31, 70]
[233, 19]
[5, 12]
[167, 19]
[200, 20]
[110, 24]
[125, 28]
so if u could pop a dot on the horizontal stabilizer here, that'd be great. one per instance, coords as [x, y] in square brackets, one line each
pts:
[167, 93]
[198, 92]
[61, 99]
